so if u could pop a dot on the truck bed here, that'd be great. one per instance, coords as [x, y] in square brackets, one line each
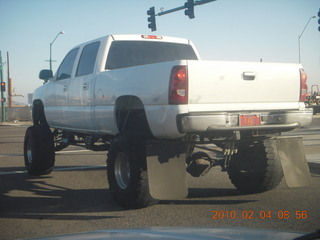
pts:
[243, 86]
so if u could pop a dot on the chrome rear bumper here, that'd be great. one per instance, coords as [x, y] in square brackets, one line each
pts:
[211, 122]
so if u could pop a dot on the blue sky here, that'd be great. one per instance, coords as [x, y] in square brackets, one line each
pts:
[235, 30]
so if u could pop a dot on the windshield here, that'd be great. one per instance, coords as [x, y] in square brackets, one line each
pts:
[133, 53]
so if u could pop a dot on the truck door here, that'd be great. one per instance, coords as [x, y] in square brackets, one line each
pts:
[81, 89]
[57, 91]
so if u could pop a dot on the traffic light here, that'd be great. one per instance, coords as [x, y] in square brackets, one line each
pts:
[189, 9]
[152, 19]
[3, 100]
[319, 20]
[3, 86]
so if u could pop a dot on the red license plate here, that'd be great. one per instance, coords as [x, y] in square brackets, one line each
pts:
[249, 120]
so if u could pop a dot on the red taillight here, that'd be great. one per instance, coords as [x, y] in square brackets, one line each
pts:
[303, 85]
[178, 88]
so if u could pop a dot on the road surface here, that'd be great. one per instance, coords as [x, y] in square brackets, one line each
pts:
[75, 196]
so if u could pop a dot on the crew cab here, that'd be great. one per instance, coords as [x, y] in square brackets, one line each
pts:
[150, 101]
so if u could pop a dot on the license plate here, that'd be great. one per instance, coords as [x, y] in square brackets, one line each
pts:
[249, 120]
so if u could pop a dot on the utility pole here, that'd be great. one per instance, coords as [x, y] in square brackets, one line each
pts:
[3, 85]
[11, 92]
[9, 82]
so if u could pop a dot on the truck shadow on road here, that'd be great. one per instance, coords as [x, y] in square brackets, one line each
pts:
[314, 168]
[25, 197]
[199, 196]
[43, 198]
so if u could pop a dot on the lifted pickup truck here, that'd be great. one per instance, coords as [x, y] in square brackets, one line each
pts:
[152, 104]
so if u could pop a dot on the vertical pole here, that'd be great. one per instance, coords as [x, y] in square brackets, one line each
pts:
[301, 36]
[299, 49]
[9, 82]
[2, 93]
[50, 60]
[10, 92]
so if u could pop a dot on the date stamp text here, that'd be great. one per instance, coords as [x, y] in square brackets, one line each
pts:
[263, 214]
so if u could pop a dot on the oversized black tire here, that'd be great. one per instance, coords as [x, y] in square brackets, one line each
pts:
[39, 155]
[127, 171]
[256, 167]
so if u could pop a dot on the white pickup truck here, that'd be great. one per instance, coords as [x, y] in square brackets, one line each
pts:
[152, 104]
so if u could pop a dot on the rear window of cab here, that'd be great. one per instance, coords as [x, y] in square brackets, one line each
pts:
[134, 53]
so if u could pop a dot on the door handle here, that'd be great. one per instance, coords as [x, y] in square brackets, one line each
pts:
[249, 76]
[85, 86]
[65, 88]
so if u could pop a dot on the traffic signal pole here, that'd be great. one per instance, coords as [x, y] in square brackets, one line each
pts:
[3, 110]
[189, 11]
[196, 3]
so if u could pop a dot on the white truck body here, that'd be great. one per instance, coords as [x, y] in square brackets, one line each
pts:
[150, 102]
[215, 90]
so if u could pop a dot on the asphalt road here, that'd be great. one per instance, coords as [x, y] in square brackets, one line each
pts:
[75, 196]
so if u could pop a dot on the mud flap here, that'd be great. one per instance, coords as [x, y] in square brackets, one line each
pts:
[166, 164]
[293, 161]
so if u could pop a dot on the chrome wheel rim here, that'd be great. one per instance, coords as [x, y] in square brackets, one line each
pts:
[122, 170]
[29, 152]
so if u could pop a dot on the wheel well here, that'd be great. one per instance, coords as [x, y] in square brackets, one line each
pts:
[130, 114]
[38, 115]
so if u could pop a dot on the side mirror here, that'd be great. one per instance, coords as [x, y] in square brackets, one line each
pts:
[45, 74]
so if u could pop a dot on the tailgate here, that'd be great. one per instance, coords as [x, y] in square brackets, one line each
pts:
[243, 86]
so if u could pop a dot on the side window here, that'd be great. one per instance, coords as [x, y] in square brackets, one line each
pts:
[88, 59]
[66, 66]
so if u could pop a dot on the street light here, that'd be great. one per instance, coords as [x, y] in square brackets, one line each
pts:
[50, 60]
[301, 36]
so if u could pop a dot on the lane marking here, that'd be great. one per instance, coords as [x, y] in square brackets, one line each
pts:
[313, 158]
[11, 173]
[73, 151]
[60, 169]
[11, 155]
[61, 152]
